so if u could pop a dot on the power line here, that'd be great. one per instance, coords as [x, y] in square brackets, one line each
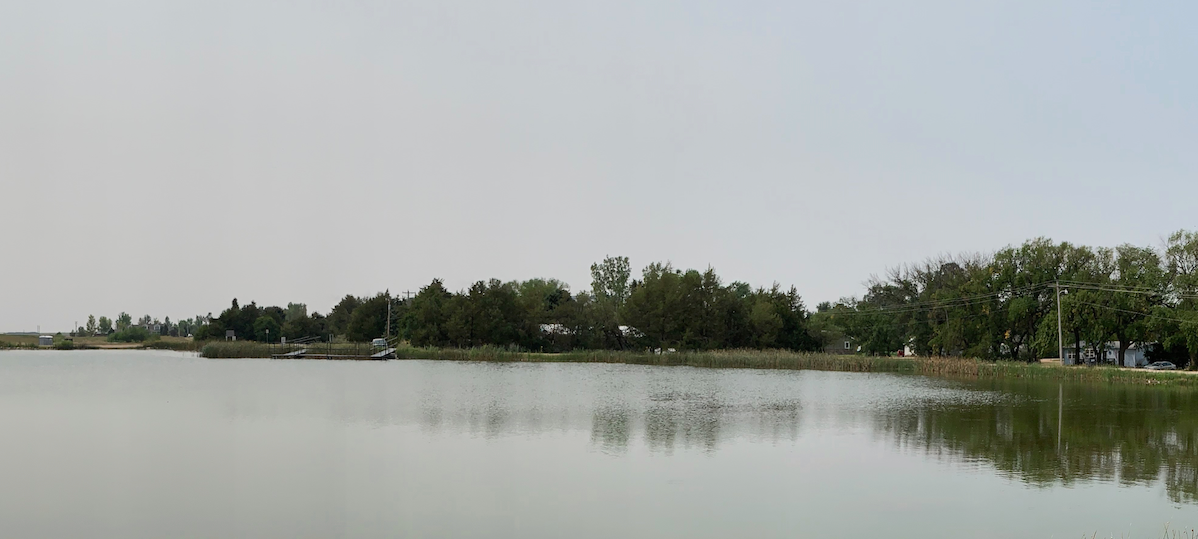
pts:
[1126, 290]
[940, 304]
[965, 301]
[1138, 313]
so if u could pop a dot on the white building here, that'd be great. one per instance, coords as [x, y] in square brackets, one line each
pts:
[1135, 356]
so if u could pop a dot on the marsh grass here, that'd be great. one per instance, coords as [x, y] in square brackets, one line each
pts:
[18, 341]
[178, 345]
[250, 349]
[748, 359]
[782, 359]
[1168, 534]
[239, 349]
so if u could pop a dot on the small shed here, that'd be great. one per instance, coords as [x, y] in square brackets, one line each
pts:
[45, 340]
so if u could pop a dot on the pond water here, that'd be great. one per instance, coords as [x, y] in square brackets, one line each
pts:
[160, 444]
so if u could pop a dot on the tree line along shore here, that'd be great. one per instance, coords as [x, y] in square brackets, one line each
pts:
[1001, 305]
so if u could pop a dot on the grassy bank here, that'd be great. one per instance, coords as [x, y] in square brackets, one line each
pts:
[18, 341]
[755, 359]
[175, 343]
[181, 344]
[249, 349]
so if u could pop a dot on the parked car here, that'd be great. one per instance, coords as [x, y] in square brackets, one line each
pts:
[1161, 366]
[382, 343]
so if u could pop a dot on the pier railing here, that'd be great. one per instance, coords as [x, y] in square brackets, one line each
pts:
[314, 349]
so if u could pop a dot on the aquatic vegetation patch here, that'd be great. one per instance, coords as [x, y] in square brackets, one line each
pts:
[948, 367]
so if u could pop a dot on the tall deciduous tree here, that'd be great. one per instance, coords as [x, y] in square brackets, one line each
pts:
[369, 319]
[610, 289]
[338, 319]
[266, 329]
[427, 316]
[1140, 274]
[123, 321]
[104, 325]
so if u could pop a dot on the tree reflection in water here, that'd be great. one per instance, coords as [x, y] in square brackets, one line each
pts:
[693, 421]
[1128, 434]
[1041, 433]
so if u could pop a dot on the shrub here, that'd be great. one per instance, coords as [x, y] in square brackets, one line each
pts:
[130, 334]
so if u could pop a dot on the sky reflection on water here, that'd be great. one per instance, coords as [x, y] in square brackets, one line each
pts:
[151, 444]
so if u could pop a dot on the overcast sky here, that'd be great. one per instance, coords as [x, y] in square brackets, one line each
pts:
[163, 158]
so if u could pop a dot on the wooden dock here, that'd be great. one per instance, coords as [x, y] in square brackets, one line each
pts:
[346, 357]
[316, 353]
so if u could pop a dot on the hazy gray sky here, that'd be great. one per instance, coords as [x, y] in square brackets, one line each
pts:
[164, 157]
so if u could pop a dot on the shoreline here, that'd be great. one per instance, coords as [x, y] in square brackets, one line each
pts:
[944, 367]
[759, 359]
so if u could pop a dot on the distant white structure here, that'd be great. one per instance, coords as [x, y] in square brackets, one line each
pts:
[45, 340]
[630, 331]
[555, 329]
[1135, 355]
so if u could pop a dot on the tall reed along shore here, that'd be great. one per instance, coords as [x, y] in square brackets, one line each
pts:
[753, 359]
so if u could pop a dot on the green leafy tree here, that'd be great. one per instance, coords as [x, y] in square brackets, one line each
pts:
[123, 321]
[654, 306]
[428, 315]
[296, 311]
[339, 317]
[784, 318]
[184, 327]
[267, 329]
[1021, 279]
[488, 314]
[1140, 273]
[545, 303]
[130, 334]
[1178, 323]
[240, 319]
[610, 280]
[90, 328]
[369, 319]
[610, 289]
[540, 298]
[104, 325]
[578, 330]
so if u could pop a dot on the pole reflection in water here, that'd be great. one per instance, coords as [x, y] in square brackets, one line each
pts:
[1127, 434]
[144, 445]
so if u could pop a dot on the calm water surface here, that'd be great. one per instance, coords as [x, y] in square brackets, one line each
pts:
[158, 444]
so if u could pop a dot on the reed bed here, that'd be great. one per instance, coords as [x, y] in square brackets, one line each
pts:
[178, 346]
[965, 368]
[18, 341]
[235, 350]
[250, 349]
[4, 345]
[1170, 533]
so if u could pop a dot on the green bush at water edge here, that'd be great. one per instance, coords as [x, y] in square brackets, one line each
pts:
[130, 334]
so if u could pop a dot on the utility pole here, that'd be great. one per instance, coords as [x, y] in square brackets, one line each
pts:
[1060, 413]
[1060, 330]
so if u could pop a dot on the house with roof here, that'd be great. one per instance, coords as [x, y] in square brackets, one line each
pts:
[1136, 355]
